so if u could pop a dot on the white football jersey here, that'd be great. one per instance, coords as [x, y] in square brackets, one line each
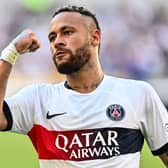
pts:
[104, 128]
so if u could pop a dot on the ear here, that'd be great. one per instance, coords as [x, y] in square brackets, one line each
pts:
[95, 37]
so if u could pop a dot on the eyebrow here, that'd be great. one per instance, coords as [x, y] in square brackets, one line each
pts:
[62, 29]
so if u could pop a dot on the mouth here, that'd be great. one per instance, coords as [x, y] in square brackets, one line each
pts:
[60, 54]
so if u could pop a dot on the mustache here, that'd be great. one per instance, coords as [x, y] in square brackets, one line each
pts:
[62, 50]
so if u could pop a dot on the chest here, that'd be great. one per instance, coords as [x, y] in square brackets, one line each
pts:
[91, 111]
[87, 127]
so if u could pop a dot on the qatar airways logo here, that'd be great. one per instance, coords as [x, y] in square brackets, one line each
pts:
[88, 144]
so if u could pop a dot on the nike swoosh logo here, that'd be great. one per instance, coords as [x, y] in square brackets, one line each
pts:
[49, 116]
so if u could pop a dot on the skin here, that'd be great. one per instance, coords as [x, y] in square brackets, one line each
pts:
[72, 31]
[24, 42]
[68, 32]
[164, 158]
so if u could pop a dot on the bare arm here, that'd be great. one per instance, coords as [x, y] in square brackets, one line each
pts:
[23, 43]
[164, 158]
[5, 69]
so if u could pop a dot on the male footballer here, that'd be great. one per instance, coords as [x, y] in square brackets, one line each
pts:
[91, 120]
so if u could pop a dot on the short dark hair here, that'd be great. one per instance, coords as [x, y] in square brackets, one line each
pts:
[81, 10]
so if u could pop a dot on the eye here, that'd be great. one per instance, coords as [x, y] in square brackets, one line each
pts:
[67, 32]
[51, 38]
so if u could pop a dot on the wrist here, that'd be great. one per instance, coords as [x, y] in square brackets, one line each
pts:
[9, 54]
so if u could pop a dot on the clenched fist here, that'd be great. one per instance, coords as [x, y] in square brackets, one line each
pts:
[26, 42]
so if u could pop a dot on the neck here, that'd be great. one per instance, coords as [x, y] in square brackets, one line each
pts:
[86, 80]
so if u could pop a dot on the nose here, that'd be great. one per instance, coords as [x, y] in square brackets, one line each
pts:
[59, 42]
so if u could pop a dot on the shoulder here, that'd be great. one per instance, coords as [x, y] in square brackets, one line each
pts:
[128, 83]
[47, 87]
[42, 88]
[128, 87]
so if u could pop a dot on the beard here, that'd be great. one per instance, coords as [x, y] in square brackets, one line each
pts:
[75, 61]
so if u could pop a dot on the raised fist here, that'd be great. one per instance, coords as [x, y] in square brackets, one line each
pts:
[26, 42]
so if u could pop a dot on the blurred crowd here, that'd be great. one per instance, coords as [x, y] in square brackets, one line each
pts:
[134, 36]
[136, 40]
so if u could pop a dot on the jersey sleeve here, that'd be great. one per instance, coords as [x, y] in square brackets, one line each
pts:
[22, 107]
[155, 122]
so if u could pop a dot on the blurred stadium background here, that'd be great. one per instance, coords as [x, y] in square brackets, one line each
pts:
[134, 45]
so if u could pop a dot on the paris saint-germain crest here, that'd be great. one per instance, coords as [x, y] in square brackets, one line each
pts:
[115, 112]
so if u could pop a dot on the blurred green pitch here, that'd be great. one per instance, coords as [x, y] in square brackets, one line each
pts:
[16, 151]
